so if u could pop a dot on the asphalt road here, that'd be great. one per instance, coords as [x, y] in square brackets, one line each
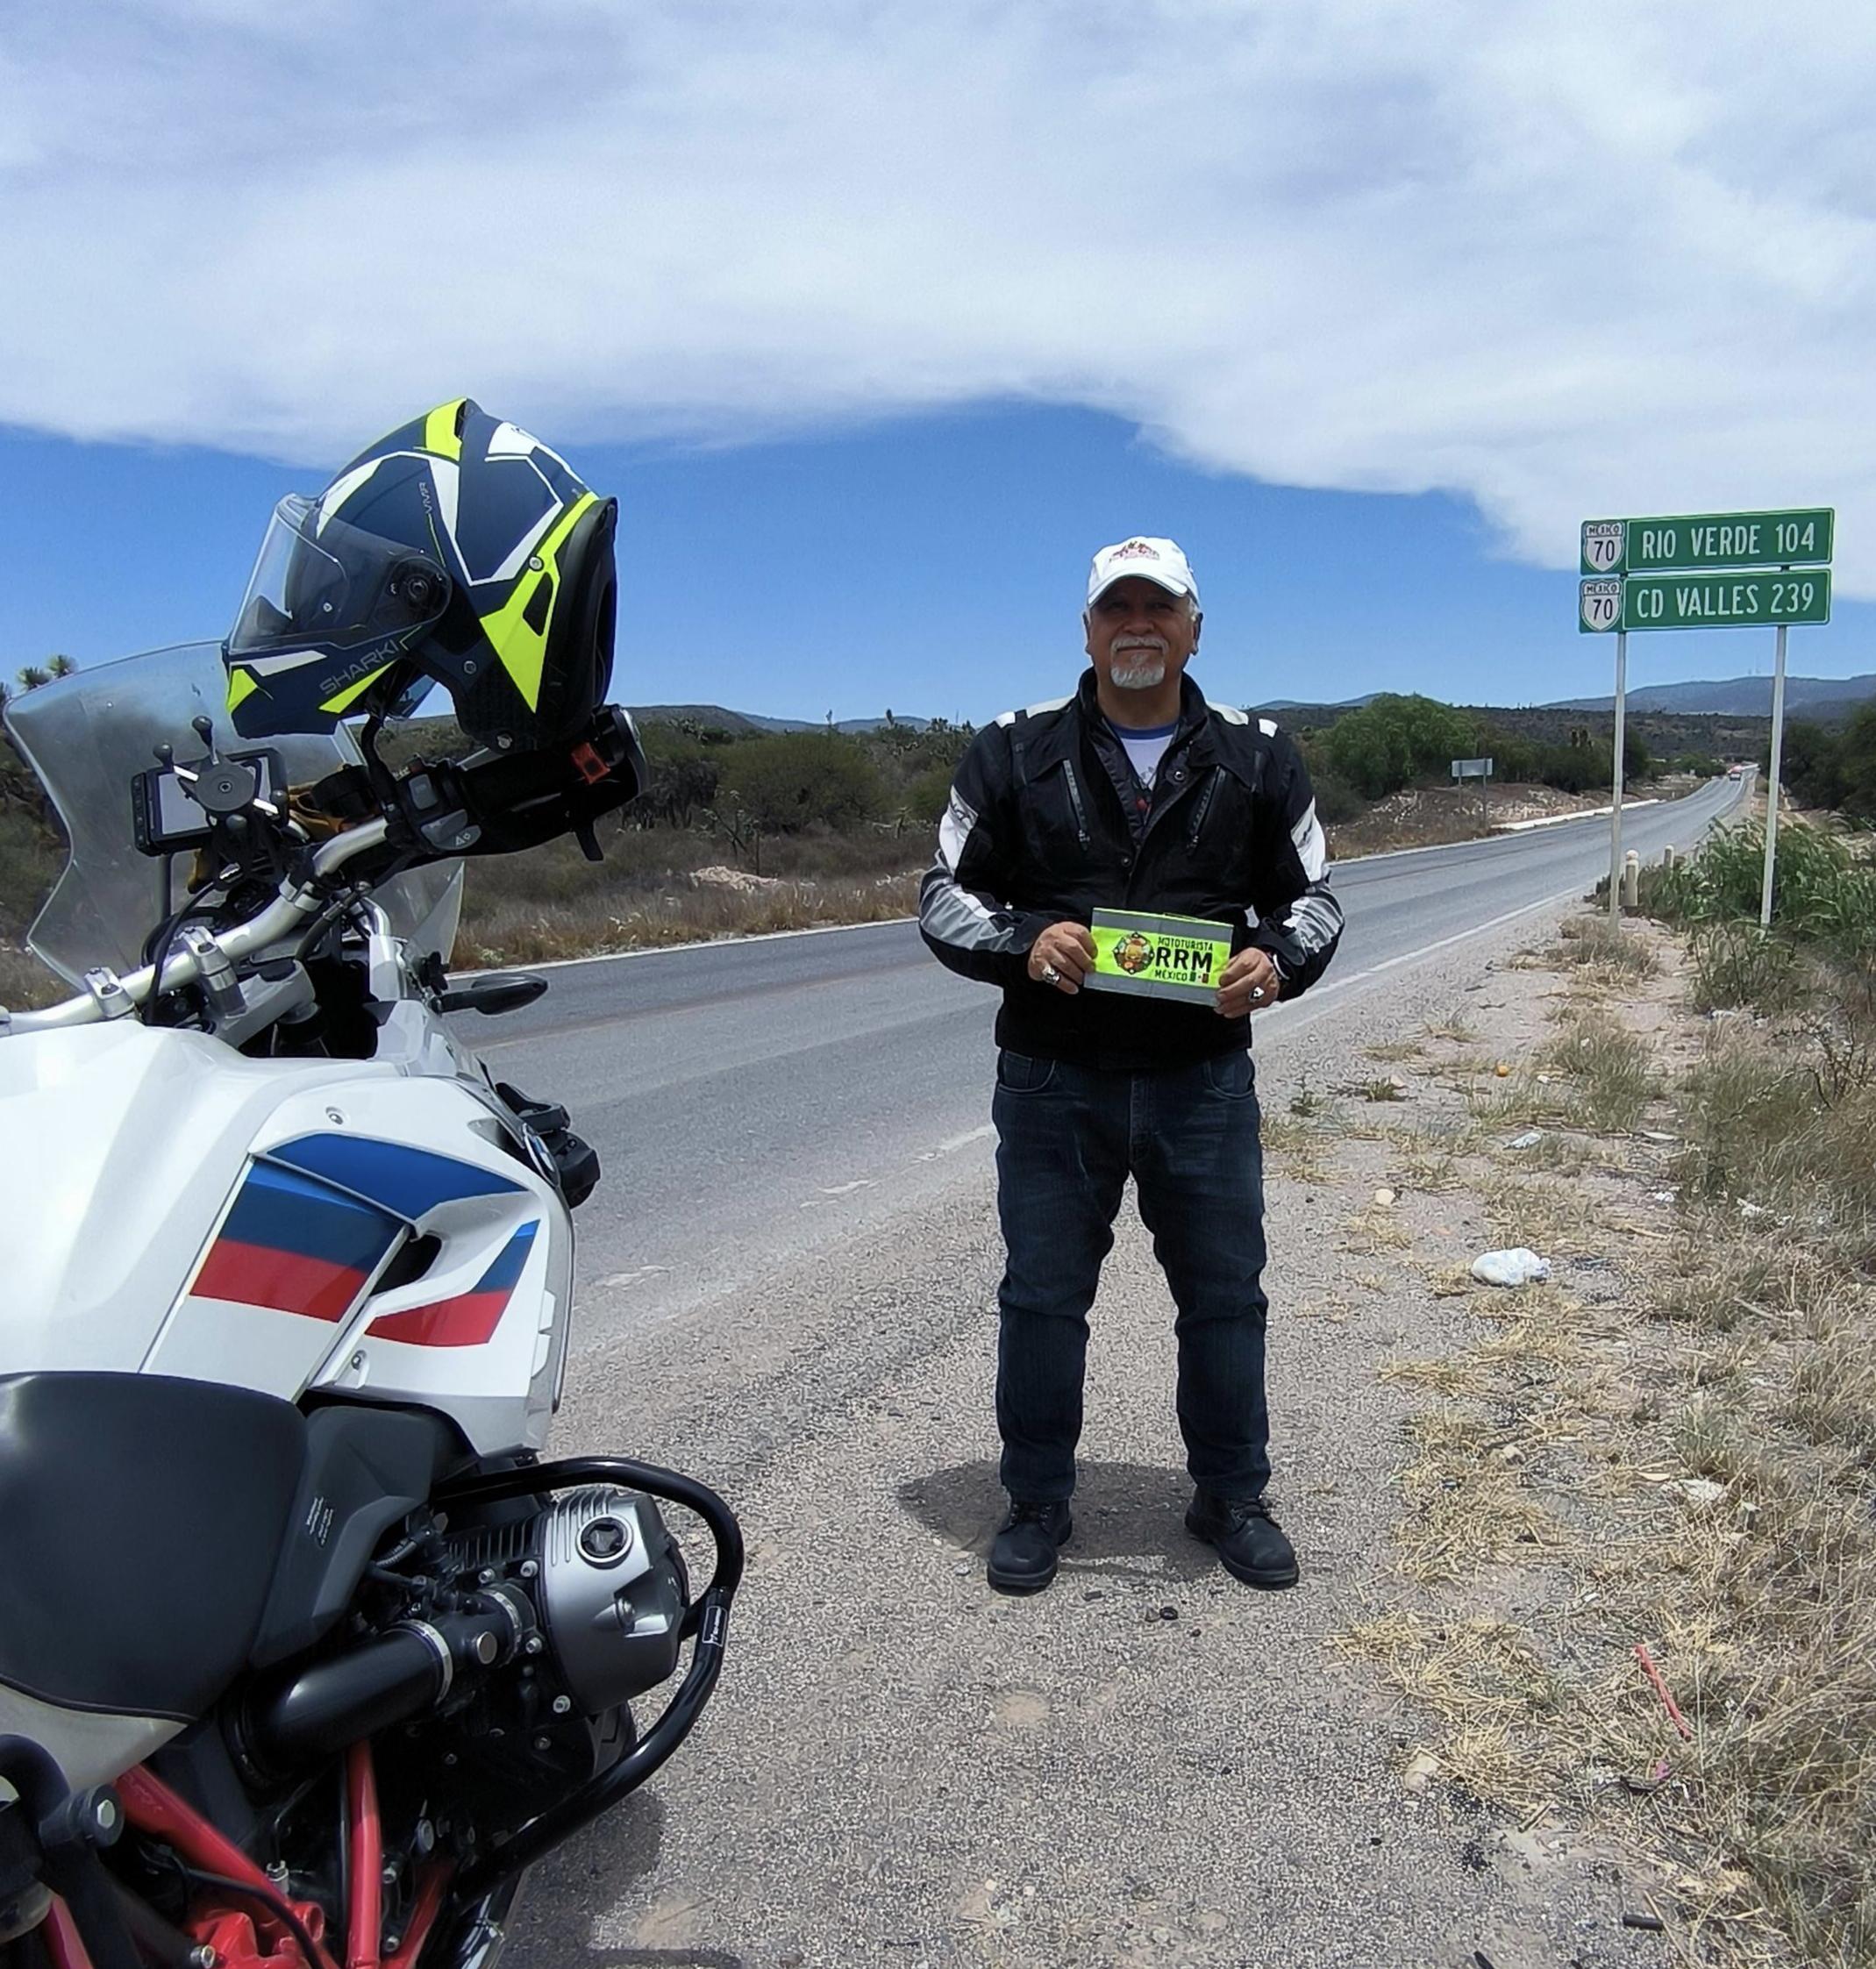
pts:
[754, 1102]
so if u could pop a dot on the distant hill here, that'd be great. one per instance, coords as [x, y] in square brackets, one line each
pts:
[751, 721]
[1300, 710]
[1738, 697]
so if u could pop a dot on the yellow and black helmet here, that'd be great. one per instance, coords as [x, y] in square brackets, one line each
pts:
[457, 550]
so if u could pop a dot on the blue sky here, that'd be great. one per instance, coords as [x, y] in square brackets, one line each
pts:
[881, 314]
[934, 564]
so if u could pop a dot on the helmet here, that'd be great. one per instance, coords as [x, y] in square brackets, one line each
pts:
[458, 551]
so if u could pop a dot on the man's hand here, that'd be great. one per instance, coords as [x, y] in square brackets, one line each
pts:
[1250, 984]
[1062, 956]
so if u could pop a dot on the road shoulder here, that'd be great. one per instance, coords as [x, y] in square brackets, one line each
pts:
[1148, 1763]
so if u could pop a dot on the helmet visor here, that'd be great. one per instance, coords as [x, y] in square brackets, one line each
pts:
[323, 584]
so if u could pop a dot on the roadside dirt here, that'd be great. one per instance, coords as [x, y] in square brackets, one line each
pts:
[1150, 1764]
[1429, 815]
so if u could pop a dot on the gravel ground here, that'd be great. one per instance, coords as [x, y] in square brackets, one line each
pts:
[1149, 1764]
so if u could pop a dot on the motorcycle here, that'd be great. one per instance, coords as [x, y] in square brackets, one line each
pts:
[306, 1652]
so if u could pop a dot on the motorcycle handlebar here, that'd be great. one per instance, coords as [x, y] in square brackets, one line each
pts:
[286, 913]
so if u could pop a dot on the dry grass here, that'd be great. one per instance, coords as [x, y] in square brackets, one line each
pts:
[1377, 1229]
[1467, 1504]
[1594, 1074]
[1580, 1440]
[1445, 1375]
[1543, 1214]
[1558, 1153]
[520, 932]
[551, 902]
[1480, 1680]
[1610, 954]
[25, 982]
[1436, 1164]
[1453, 1026]
[1297, 1146]
[1763, 1134]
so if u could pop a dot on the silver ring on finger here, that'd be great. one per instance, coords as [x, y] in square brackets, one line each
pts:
[1051, 975]
[1257, 994]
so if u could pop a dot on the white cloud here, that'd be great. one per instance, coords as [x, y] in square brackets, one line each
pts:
[1566, 258]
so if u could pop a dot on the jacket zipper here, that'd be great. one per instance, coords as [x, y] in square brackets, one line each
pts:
[1204, 807]
[1074, 800]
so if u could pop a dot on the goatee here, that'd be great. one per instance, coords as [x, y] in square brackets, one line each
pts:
[1138, 676]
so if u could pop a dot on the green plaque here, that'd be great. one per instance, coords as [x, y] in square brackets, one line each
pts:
[1801, 538]
[1159, 957]
[1736, 601]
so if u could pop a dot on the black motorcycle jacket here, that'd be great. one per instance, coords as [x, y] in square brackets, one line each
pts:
[1047, 823]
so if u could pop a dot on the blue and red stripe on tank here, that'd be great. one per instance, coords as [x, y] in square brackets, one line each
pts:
[310, 1226]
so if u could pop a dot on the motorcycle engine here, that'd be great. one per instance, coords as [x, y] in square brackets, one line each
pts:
[594, 1595]
[605, 1581]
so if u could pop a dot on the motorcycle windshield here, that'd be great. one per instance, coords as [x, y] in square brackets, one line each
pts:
[88, 735]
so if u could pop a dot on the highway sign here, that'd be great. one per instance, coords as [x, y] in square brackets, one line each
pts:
[1801, 537]
[1599, 603]
[1732, 600]
[1472, 768]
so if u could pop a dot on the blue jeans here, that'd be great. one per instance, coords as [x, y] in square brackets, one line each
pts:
[1068, 1140]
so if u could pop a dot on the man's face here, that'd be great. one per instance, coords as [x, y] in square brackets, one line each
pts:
[1138, 635]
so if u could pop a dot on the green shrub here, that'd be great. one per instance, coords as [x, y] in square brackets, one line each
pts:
[1825, 895]
[1337, 801]
[927, 795]
[1392, 741]
[29, 861]
[1737, 965]
[792, 780]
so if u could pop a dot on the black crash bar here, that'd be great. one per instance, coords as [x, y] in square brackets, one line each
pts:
[708, 1624]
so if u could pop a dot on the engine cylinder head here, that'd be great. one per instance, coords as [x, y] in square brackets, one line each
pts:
[610, 1594]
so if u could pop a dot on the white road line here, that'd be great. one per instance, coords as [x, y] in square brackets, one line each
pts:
[633, 1278]
[959, 1142]
[701, 944]
[1312, 1007]
[882, 922]
[1281, 1019]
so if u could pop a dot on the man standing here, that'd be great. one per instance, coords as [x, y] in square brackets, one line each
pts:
[1135, 794]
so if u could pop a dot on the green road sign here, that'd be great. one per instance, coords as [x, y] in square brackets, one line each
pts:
[1740, 601]
[1802, 538]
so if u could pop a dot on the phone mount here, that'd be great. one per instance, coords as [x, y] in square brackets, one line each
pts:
[176, 806]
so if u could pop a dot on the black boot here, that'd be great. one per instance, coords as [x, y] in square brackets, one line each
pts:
[1250, 1541]
[1023, 1553]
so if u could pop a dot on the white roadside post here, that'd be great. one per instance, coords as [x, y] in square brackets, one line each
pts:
[1772, 785]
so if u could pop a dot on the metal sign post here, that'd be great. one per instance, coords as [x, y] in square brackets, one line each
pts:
[1772, 785]
[1705, 571]
[1614, 818]
[1479, 769]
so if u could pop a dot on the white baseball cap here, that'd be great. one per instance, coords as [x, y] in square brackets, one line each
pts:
[1160, 561]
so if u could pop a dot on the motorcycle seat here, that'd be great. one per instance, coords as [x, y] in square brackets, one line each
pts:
[141, 1519]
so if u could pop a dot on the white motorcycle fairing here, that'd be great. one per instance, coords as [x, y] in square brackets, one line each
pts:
[368, 1228]
[286, 1281]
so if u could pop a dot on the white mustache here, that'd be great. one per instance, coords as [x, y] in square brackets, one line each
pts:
[1152, 643]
